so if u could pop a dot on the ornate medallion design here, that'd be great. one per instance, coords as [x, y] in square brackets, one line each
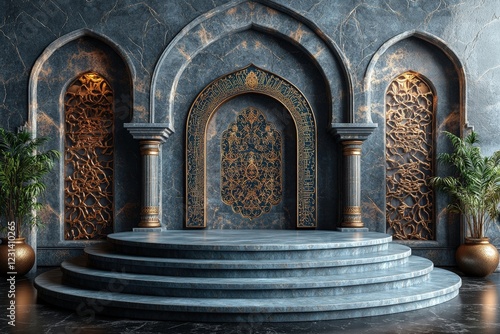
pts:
[88, 198]
[251, 161]
[250, 80]
[410, 104]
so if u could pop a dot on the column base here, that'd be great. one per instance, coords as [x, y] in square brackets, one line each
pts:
[352, 229]
[149, 229]
[149, 223]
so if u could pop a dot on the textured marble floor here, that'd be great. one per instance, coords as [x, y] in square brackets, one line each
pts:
[475, 310]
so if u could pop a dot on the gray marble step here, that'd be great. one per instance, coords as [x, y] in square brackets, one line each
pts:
[102, 256]
[238, 275]
[415, 271]
[248, 244]
[441, 286]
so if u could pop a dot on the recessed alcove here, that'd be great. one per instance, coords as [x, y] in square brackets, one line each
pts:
[265, 146]
[429, 59]
[54, 78]
[277, 54]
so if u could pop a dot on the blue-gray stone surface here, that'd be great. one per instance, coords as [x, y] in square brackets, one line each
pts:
[160, 54]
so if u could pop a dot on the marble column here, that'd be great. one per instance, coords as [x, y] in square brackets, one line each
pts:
[150, 208]
[150, 136]
[351, 211]
[351, 136]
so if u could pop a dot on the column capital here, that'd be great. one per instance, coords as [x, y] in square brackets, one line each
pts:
[149, 131]
[352, 131]
[149, 147]
[351, 147]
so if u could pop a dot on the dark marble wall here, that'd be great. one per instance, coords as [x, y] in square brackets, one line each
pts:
[340, 54]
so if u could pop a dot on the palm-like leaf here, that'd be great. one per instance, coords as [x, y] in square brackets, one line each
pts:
[475, 187]
[22, 169]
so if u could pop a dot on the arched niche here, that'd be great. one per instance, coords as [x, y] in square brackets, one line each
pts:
[250, 80]
[429, 57]
[63, 61]
[265, 17]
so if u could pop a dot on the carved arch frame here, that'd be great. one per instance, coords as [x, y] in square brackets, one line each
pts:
[241, 15]
[208, 102]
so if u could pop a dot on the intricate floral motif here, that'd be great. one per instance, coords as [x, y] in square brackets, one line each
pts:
[89, 158]
[251, 161]
[409, 157]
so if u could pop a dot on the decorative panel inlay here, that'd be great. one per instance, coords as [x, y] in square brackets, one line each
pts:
[88, 199]
[410, 104]
[250, 80]
[251, 164]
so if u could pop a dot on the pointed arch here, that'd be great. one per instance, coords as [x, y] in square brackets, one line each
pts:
[53, 47]
[239, 16]
[53, 72]
[442, 46]
[431, 57]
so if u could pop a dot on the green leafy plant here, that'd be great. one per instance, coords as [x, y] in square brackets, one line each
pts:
[475, 187]
[22, 169]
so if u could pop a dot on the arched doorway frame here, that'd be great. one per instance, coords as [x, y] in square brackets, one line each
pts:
[250, 79]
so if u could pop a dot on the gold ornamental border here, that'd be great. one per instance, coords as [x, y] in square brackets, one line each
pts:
[250, 79]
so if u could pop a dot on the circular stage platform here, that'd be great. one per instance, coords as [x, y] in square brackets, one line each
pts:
[247, 275]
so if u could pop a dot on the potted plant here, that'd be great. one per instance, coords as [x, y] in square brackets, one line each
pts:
[475, 194]
[22, 169]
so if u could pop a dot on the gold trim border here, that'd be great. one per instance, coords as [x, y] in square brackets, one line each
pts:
[210, 99]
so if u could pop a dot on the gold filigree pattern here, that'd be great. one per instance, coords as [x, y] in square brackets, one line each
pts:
[88, 199]
[352, 210]
[150, 210]
[410, 104]
[251, 161]
[210, 99]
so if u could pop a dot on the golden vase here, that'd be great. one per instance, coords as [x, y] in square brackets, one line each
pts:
[477, 257]
[16, 257]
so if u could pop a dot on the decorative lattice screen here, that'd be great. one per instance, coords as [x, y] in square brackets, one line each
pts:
[410, 104]
[88, 200]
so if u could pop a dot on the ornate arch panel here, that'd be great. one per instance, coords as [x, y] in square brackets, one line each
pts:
[89, 158]
[250, 80]
[410, 137]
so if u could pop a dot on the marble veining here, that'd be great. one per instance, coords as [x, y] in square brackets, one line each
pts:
[340, 54]
[474, 311]
[104, 252]
[310, 295]
[248, 240]
[446, 284]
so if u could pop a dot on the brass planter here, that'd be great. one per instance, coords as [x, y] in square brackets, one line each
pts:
[23, 254]
[477, 257]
